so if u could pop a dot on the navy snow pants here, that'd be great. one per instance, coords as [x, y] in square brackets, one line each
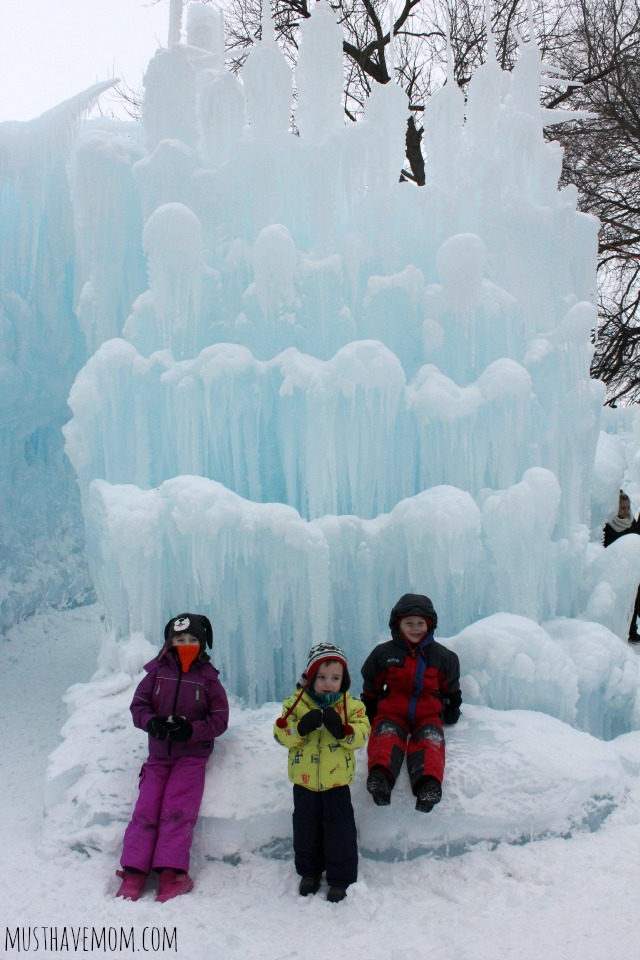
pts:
[324, 835]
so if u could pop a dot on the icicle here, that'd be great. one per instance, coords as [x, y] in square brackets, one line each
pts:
[268, 26]
[532, 30]
[175, 22]
[221, 35]
[491, 40]
[450, 74]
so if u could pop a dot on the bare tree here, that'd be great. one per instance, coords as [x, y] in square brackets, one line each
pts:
[602, 158]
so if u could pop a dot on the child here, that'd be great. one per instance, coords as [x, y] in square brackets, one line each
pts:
[411, 685]
[322, 725]
[183, 707]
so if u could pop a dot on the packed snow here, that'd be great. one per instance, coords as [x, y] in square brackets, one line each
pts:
[532, 852]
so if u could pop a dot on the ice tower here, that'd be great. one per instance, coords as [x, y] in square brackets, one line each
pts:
[332, 387]
[41, 350]
[309, 387]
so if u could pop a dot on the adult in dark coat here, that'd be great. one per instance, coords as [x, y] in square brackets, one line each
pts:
[619, 526]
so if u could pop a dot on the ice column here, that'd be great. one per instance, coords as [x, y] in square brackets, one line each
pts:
[320, 77]
[267, 83]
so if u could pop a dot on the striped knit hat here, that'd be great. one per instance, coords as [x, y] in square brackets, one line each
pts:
[321, 653]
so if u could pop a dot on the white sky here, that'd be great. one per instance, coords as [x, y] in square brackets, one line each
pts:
[52, 49]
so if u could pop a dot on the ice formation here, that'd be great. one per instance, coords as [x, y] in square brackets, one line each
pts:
[334, 386]
[302, 387]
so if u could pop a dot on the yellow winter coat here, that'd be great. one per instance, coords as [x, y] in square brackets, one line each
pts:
[319, 761]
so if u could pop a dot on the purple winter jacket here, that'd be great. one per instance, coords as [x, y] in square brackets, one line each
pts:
[197, 695]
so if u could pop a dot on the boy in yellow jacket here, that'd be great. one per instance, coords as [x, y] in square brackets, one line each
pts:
[322, 726]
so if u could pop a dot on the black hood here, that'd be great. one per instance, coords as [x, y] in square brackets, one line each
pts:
[413, 605]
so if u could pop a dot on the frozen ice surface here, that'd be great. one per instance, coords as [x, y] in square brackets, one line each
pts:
[576, 671]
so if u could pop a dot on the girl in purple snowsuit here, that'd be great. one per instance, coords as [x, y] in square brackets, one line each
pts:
[183, 707]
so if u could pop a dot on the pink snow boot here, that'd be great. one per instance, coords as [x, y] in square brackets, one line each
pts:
[132, 885]
[171, 884]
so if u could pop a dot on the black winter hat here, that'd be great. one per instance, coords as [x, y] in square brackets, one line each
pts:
[413, 605]
[194, 623]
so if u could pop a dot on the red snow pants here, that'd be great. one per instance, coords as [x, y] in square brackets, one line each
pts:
[392, 738]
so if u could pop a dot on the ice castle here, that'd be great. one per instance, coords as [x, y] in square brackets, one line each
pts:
[299, 387]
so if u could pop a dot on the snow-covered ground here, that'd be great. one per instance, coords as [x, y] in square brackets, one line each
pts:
[570, 896]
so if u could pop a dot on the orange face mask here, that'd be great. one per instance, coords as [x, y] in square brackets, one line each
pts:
[187, 653]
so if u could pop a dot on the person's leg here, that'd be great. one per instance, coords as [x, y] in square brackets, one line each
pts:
[425, 764]
[141, 834]
[340, 837]
[385, 753]
[307, 836]
[634, 637]
[179, 813]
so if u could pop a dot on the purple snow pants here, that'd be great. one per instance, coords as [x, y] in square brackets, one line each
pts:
[161, 828]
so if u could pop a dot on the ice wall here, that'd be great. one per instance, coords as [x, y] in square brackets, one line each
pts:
[41, 349]
[378, 387]
[309, 387]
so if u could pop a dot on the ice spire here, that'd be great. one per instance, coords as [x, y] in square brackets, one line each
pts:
[485, 96]
[268, 26]
[443, 121]
[491, 40]
[266, 79]
[532, 29]
[205, 31]
[175, 22]
[320, 76]
[386, 111]
[450, 73]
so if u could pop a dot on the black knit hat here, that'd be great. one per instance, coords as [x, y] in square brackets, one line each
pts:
[194, 623]
[413, 605]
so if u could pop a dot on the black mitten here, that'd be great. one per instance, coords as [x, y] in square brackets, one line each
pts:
[333, 723]
[158, 728]
[451, 712]
[310, 722]
[180, 730]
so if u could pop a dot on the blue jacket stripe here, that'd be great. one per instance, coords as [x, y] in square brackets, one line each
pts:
[418, 677]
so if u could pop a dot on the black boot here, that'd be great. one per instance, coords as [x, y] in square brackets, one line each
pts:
[308, 885]
[428, 793]
[379, 787]
[336, 894]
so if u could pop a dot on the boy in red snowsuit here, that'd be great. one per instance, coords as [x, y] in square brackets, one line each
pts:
[411, 686]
